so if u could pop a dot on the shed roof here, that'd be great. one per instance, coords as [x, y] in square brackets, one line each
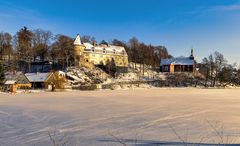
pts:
[37, 77]
[12, 75]
[10, 82]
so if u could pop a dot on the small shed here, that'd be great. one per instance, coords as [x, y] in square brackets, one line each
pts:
[10, 86]
[38, 79]
[17, 80]
[50, 80]
[57, 80]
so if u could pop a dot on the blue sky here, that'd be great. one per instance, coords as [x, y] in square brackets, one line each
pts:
[205, 25]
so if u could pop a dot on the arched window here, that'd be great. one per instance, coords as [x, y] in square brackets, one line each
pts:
[114, 51]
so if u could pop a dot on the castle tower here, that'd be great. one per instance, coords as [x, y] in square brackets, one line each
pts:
[78, 51]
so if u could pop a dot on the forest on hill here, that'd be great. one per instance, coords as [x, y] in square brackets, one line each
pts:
[29, 45]
[18, 51]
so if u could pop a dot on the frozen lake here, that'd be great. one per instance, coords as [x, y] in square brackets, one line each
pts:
[141, 116]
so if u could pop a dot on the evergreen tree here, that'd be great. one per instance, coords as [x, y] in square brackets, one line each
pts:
[111, 67]
[24, 47]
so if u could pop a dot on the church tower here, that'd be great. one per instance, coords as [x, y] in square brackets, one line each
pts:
[78, 51]
[191, 56]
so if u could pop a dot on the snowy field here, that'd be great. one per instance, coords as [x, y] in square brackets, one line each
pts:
[134, 117]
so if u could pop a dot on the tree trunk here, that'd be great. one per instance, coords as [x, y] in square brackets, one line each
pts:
[29, 65]
[214, 82]
[143, 69]
[206, 80]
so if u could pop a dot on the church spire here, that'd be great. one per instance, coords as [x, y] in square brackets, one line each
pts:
[191, 56]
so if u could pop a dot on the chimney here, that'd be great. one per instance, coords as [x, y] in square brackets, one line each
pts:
[94, 43]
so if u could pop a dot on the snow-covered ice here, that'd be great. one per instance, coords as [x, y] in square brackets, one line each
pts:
[142, 116]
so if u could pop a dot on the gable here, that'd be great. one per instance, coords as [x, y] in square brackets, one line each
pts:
[22, 79]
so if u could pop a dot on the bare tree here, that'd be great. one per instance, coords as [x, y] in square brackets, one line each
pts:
[62, 50]
[41, 42]
[6, 51]
[205, 69]
[219, 62]
[134, 44]
[212, 67]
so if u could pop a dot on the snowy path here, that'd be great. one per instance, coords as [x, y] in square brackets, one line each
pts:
[140, 116]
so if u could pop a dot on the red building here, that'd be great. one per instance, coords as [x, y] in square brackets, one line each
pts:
[180, 64]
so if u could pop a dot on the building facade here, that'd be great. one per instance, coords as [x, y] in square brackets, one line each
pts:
[88, 54]
[14, 81]
[50, 80]
[179, 64]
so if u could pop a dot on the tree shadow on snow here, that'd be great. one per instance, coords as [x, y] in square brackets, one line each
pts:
[134, 142]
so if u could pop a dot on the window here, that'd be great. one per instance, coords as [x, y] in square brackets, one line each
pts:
[114, 51]
[104, 50]
[123, 52]
[166, 68]
[92, 49]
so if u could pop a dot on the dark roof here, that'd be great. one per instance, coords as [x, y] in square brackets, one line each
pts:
[12, 75]
[18, 77]
[178, 61]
